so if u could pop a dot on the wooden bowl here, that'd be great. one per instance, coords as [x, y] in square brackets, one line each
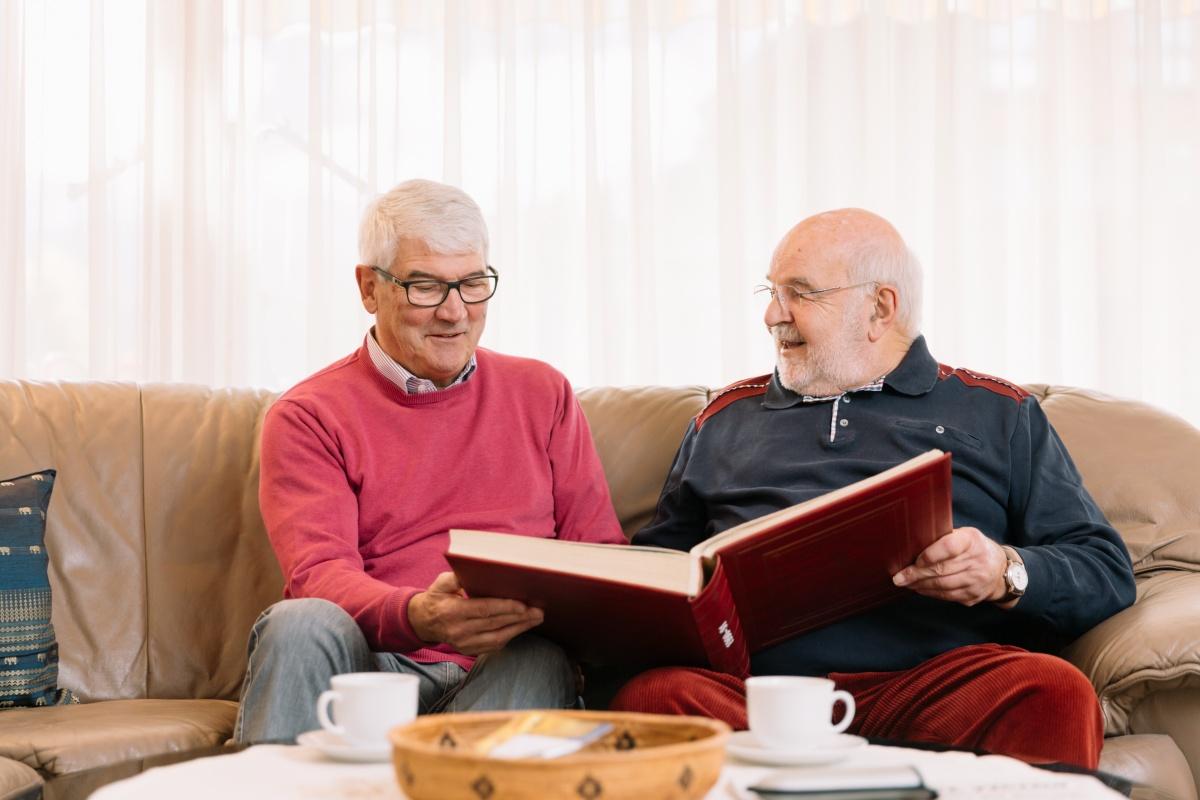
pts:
[643, 756]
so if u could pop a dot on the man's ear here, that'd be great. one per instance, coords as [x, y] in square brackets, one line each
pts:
[886, 303]
[366, 287]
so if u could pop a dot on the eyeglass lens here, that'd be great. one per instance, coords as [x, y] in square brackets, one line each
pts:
[432, 293]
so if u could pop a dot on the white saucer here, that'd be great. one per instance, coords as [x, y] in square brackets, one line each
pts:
[743, 745]
[333, 746]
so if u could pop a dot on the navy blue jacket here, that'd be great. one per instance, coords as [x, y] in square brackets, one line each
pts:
[761, 448]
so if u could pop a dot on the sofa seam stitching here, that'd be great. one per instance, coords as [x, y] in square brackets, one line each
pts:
[145, 543]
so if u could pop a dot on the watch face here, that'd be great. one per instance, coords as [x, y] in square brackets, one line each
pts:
[1018, 577]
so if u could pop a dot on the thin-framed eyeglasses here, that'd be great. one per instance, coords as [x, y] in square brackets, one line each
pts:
[790, 294]
[431, 293]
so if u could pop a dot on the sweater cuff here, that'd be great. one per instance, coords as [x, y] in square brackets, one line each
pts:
[401, 637]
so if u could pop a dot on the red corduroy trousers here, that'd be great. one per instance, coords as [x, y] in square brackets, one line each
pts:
[988, 697]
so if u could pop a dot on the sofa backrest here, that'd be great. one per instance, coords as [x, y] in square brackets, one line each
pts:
[211, 570]
[160, 564]
[637, 430]
[158, 559]
[1142, 466]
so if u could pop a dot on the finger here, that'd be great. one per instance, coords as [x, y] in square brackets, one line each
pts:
[494, 640]
[963, 548]
[445, 583]
[473, 626]
[952, 545]
[967, 596]
[910, 575]
[948, 583]
[481, 607]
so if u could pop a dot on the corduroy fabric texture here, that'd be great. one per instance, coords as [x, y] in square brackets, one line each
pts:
[989, 697]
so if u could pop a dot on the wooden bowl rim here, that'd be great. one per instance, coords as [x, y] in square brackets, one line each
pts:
[718, 733]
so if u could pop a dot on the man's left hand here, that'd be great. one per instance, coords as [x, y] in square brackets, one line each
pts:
[964, 566]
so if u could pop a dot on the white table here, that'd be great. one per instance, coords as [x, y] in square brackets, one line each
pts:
[280, 771]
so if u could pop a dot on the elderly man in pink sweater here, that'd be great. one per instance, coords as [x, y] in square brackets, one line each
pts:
[367, 464]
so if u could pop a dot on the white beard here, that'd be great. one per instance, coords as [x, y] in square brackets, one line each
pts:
[826, 369]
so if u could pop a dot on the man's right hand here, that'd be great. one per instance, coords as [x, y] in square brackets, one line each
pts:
[471, 625]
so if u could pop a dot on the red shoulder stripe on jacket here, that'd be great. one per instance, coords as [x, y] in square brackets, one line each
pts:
[749, 387]
[990, 382]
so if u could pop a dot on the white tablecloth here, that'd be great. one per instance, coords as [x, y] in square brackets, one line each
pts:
[303, 773]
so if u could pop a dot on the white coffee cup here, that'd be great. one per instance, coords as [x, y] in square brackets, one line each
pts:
[366, 705]
[790, 712]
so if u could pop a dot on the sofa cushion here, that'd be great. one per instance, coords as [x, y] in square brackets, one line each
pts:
[17, 780]
[28, 651]
[92, 434]
[1154, 645]
[1140, 465]
[157, 490]
[203, 531]
[64, 739]
[637, 431]
[1152, 760]
[1175, 712]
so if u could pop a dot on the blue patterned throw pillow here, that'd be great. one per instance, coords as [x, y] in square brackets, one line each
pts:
[28, 651]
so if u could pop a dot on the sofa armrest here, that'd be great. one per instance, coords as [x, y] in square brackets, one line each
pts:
[1153, 645]
[18, 780]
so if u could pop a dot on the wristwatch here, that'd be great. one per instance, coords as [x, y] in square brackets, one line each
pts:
[1016, 579]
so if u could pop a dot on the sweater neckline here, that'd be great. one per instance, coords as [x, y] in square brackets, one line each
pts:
[428, 398]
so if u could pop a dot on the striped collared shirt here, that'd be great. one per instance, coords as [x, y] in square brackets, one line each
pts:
[405, 381]
[873, 386]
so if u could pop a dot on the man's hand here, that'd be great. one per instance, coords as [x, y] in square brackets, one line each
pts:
[471, 625]
[964, 566]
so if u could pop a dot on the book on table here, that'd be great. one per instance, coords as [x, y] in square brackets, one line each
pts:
[742, 590]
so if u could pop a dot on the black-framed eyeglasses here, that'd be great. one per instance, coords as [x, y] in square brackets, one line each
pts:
[430, 293]
[790, 294]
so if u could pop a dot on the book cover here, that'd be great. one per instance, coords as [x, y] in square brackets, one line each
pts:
[744, 589]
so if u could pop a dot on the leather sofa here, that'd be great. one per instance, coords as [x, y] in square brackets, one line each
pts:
[159, 562]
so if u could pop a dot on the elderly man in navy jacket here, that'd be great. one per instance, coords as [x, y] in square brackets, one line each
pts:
[965, 659]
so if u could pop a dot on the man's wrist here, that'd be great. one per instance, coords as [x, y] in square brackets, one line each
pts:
[1015, 579]
[416, 622]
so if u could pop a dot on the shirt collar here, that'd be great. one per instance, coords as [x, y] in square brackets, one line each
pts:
[916, 374]
[404, 380]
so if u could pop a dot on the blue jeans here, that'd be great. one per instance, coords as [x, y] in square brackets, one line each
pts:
[296, 646]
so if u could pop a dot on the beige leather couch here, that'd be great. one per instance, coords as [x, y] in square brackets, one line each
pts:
[159, 562]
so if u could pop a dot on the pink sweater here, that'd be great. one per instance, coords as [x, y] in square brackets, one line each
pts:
[361, 483]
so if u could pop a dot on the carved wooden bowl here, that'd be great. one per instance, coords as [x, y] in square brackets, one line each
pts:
[643, 756]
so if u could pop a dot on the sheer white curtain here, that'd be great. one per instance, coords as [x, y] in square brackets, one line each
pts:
[182, 180]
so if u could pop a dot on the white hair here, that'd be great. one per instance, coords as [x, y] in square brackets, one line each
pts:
[892, 262]
[443, 217]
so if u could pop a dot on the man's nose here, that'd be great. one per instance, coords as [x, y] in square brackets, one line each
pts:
[452, 308]
[776, 313]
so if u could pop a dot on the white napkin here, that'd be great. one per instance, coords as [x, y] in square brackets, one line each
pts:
[264, 771]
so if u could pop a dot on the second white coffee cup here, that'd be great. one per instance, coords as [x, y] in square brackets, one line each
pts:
[366, 705]
[790, 712]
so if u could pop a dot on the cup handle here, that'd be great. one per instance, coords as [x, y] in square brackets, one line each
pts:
[327, 697]
[848, 699]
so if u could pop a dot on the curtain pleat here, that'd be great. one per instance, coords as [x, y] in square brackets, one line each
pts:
[182, 180]
[13, 192]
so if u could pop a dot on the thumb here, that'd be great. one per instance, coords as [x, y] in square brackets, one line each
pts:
[445, 583]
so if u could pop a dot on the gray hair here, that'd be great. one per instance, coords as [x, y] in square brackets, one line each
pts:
[445, 218]
[872, 250]
[895, 264]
